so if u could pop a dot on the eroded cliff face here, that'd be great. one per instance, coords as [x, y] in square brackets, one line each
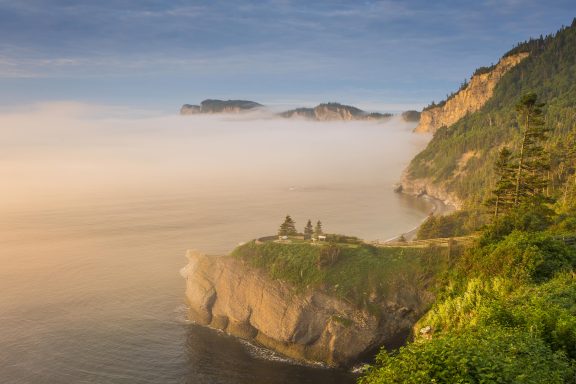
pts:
[420, 187]
[226, 294]
[328, 113]
[470, 99]
[334, 112]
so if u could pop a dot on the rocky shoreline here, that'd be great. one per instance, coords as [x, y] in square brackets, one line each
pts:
[310, 326]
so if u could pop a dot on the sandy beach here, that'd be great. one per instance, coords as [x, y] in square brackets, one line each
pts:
[438, 208]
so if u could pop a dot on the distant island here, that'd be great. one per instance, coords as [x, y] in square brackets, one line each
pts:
[322, 112]
[219, 106]
[334, 111]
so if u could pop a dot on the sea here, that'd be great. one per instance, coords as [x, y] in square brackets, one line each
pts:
[99, 204]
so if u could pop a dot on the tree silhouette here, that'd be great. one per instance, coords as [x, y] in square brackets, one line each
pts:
[308, 230]
[318, 229]
[504, 192]
[288, 227]
[532, 160]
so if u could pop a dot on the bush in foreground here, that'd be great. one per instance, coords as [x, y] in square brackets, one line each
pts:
[490, 355]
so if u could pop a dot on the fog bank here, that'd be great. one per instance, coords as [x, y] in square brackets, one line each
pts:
[62, 152]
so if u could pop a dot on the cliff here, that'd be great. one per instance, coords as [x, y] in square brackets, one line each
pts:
[425, 186]
[219, 106]
[334, 112]
[310, 325]
[470, 99]
[411, 116]
[458, 163]
[322, 112]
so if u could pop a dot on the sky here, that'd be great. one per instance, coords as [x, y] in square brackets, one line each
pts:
[379, 55]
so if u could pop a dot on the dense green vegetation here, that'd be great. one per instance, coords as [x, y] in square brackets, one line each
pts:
[459, 223]
[506, 314]
[357, 272]
[550, 72]
[486, 356]
[506, 309]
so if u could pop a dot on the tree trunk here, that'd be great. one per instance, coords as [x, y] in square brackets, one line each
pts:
[520, 163]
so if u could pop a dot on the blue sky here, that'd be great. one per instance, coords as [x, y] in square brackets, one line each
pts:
[380, 55]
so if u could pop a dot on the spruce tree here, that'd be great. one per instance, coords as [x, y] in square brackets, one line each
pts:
[288, 227]
[503, 194]
[318, 229]
[532, 160]
[308, 230]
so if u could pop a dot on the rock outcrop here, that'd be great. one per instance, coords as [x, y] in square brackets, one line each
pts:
[219, 106]
[469, 99]
[411, 116]
[421, 187]
[334, 112]
[226, 294]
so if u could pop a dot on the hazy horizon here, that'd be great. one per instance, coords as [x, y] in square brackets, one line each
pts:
[380, 55]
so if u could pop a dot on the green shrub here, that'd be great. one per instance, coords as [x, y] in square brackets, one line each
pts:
[490, 355]
[459, 223]
[546, 311]
[520, 256]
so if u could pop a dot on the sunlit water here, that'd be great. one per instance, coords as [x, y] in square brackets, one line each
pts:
[96, 216]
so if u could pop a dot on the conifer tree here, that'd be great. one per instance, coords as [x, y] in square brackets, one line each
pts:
[318, 229]
[308, 229]
[288, 227]
[503, 194]
[532, 160]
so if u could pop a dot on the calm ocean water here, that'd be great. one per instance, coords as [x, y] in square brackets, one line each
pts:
[97, 214]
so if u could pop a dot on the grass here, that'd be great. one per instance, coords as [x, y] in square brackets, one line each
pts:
[360, 274]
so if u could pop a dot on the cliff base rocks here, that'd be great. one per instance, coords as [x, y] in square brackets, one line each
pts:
[226, 293]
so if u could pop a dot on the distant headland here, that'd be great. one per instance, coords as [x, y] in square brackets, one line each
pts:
[219, 106]
[322, 112]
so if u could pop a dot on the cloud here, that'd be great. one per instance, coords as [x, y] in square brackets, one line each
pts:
[267, 47]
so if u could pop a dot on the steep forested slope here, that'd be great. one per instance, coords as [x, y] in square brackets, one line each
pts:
[459, 159]
[505, 310]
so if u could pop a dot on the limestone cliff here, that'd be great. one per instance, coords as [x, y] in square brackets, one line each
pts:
[420, 187]
[469, 99]
[334, 112]
[226, 294]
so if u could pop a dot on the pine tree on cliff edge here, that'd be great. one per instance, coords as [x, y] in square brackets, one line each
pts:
[288, 227]
[318, 230]
[308, 230]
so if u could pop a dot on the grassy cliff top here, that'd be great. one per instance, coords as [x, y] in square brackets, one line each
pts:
[360, 273]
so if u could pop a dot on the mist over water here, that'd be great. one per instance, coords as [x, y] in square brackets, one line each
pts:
[98, 206]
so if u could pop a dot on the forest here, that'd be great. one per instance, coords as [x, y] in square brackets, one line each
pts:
[505, 309]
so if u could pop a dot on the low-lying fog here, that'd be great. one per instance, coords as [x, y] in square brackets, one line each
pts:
[66, 152]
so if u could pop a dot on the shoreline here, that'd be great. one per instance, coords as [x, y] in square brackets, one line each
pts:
[439, 208]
